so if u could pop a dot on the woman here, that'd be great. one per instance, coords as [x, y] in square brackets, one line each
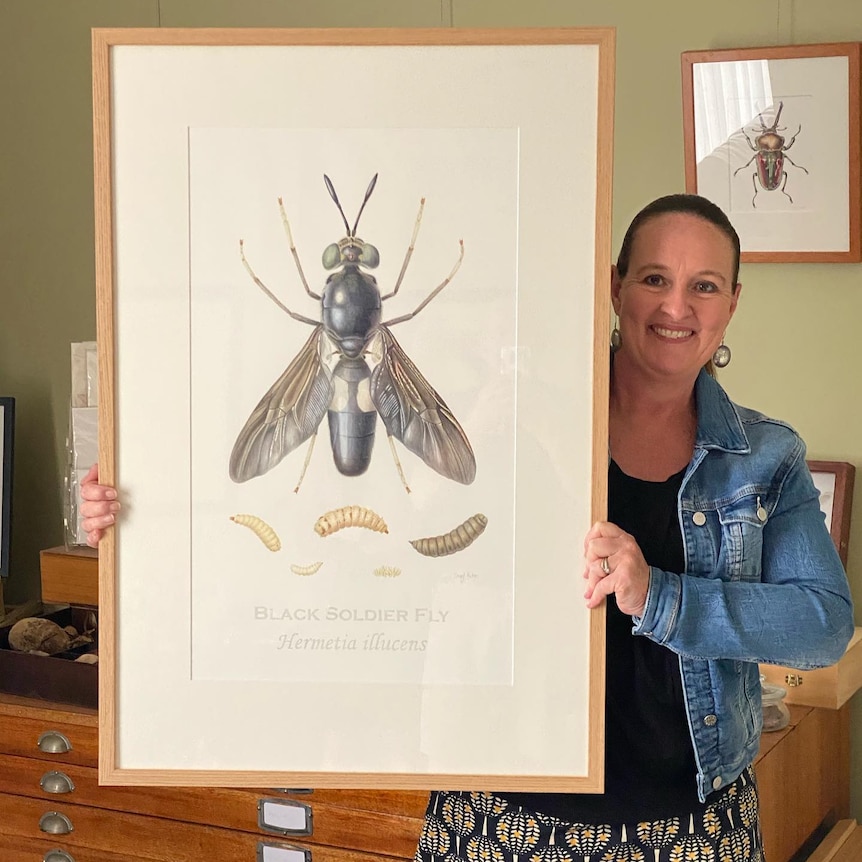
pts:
[714, 557]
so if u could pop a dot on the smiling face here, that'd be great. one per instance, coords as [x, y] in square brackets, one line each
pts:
[677, 296]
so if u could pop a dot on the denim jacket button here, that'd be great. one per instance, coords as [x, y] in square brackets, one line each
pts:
[710, 720]
[716, 782]
[761, 514]
[699, 519]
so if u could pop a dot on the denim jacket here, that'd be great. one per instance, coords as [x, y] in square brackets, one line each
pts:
[762, 583]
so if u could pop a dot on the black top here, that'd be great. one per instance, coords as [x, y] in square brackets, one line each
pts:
[650, 768]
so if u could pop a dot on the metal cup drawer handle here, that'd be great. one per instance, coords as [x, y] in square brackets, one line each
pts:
[54, 742]
[55, 823]
[284, 816]
[58, 856]
[56, 782]
[267, 852]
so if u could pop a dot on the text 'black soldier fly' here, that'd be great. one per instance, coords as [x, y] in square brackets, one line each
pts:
[331, 375]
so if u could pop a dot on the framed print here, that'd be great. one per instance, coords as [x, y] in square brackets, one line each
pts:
[352, 322]
[772, 136]
[835, 480]
[7, 437]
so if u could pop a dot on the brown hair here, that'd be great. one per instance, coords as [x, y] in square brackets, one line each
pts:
[688, 204]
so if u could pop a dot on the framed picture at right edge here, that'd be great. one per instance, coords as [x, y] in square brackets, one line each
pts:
[7, 432]
[772, 136]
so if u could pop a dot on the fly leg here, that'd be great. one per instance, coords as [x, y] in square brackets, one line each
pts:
[305, 464]
[433, 293]
[301, 318]
[286, 224]
[398, 463]
[409, 252]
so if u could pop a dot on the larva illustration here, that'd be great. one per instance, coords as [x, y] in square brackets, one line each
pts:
[349, 516]
[260, 528]
[387, 571]
[310, 569]
[455, 540]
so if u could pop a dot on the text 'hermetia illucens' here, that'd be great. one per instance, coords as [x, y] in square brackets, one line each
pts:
[331, 375]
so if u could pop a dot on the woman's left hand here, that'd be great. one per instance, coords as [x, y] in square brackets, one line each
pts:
[625, 572]
[99, 506]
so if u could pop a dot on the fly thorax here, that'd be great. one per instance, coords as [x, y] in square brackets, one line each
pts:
[351, 309]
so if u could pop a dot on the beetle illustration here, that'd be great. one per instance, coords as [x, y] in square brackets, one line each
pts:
[331, 375]
[771, 153]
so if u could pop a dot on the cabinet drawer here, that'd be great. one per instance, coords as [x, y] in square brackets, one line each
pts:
[403, 803]
[49, 739]
[14, 848]
[310, 821]
[136, 837]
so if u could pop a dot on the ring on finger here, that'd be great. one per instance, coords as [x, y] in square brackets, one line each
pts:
[606, 567]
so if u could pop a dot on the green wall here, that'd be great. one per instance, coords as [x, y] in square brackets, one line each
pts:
[795, 339]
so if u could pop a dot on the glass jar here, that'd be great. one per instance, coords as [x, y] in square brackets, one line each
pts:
[776, 715]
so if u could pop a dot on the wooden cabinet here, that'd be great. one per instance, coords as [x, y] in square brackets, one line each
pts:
[48, 780]
[803, 774]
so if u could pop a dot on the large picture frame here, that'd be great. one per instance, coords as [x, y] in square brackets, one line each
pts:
[464, 657]
[772, 136]
[7, 445]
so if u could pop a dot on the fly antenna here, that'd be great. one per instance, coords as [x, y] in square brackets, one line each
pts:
[367, 195]
[331, 189]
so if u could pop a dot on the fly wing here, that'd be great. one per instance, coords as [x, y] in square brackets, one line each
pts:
[286, 416]
[414, 413]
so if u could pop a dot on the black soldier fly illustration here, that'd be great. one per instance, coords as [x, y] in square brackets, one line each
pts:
[331, 375]
[771, 153]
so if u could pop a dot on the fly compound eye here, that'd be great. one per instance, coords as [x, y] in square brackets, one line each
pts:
[369, 256]
[331, 256]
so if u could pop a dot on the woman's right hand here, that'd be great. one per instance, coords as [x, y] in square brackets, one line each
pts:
[99, 506]
[615, 564]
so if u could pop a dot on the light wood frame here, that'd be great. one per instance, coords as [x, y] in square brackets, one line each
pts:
[771, 231]
[141, 580]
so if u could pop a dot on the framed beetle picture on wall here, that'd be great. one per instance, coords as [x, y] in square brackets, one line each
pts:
[772, 136]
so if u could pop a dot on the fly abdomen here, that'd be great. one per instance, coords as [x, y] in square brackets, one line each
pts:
[352, 417]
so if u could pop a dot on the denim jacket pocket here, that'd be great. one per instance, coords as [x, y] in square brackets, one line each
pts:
[741, 522]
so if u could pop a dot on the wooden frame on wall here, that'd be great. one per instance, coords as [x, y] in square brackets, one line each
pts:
[772, 135]
[835, 481]
[193, 608]
[7, 440]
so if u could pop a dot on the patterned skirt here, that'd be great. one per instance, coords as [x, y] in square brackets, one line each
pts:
[481, 827]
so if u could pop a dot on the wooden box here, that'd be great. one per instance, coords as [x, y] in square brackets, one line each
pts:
[52, 677]
[70, 576]
[828, 687]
